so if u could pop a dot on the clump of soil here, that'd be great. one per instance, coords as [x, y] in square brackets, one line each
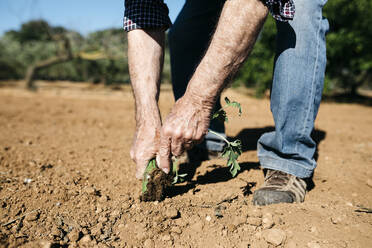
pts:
[157, 185]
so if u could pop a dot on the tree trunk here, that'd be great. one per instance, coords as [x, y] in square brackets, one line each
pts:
[65, 55]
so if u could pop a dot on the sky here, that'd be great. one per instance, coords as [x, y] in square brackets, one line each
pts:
[84, 16]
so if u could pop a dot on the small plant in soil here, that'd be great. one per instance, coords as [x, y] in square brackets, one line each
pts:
[155, 182]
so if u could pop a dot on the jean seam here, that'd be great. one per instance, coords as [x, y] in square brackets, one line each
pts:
[311, 102]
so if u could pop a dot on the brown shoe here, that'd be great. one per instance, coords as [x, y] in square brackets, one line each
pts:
[280, 187]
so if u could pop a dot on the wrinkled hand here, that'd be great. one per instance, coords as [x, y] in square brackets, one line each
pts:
[185, 126]
[145, 145]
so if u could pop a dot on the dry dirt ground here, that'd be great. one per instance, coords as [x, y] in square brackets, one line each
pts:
[66, 179]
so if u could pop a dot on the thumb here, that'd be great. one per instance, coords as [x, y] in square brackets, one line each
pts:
[140, 168]
[163, 156]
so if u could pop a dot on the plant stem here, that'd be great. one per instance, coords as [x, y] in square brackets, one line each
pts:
[219, 135]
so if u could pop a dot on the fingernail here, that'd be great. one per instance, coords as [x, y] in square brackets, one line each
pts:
[166, 170]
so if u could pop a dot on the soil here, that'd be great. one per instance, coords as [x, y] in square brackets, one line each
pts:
[66, 178]
[157, 186]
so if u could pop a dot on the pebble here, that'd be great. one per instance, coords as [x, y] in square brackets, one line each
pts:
[369, 182]
[45, 244]
[254, 221]
[336, 220]
[149, 243]
[267, 221]
[32, 216]
[27, 180]
[103, 199]
[126, 205]
[74, 235]
[166, 237]
[313, 244]
[176, 229]
[208, 218]
[274, 236]
[85, 239]
[90, 190]
[55, 231]
[171, 213]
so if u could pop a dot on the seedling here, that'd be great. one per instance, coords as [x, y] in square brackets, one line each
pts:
[155, 181]
[232, 149]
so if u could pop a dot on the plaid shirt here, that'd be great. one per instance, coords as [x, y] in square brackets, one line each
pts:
[141, 14]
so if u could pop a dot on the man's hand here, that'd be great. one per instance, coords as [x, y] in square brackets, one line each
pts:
[145, 54]
[185, 126]
[145, 145]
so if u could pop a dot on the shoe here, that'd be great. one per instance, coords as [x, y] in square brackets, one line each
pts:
[280, 187]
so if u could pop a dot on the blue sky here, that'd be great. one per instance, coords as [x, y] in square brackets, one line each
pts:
[83, 16]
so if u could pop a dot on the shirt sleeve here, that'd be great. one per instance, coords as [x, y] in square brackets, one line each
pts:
[281, 10]
[146, 14]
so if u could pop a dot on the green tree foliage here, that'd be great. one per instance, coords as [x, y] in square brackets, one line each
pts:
[349, 45]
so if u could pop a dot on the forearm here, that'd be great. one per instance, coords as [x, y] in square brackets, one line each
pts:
[145, 57]
[233, 40]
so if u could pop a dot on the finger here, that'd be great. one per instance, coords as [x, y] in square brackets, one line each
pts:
[176, 147]
[199, 134]
[163, 156]
[187, 145]
[140, 168]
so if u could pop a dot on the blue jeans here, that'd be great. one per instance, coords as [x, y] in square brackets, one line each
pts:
[297, 82]
[296, 91]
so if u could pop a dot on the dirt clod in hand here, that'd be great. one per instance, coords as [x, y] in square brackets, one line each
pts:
[158, 182]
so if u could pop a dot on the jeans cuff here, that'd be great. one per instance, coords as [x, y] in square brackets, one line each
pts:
[286, 166]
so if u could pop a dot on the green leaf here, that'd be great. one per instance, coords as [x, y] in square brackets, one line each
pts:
[150, 166]
[234, 105]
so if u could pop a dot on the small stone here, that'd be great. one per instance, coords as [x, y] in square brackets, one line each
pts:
[176, 229]
[313, 244]
[254, 221]
[91, 191]
[102, 219]
[171, 213]
[96, 231]
[103, 199]
[27, 180]
[313, 229]
[278, 220]
[32, 216]
[45, 244]
[274, 236]
[149, 243]
[208, 218]
[85, 239]
[267, 221]
[55, 231]
[74, 235]
[336, 220]
[166, 237]
[369, 182]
